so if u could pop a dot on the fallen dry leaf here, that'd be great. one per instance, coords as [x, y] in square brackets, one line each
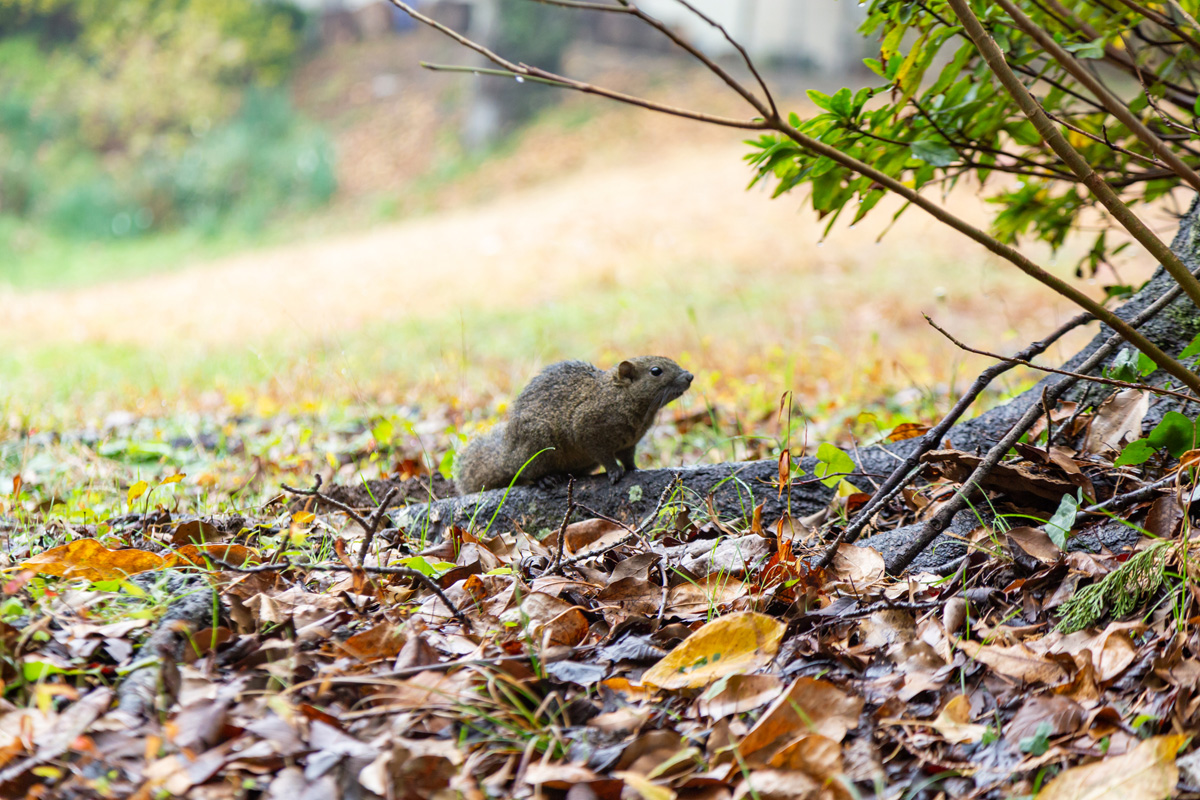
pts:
[1036, 542]
[738, 694]
[808, 706]
[1118, 420]
[728, 645]
[1015, 661]
[1148, 772]
[88, 559]
[954, 722]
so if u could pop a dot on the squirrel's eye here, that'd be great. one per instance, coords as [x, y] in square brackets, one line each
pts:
[656, 370]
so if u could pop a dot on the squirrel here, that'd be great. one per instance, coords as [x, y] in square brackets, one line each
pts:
[589, 416]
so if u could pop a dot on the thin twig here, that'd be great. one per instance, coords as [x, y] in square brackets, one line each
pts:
[1127, 499]
[527, 71]
[373, 524]
[556, 569]
[1093, 378]
[316, 492]
[741, 50]
[370, 525]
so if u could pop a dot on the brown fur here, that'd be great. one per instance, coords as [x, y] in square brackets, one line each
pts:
[590, 417]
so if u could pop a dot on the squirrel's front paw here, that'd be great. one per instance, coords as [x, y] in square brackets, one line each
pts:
[615, 475]
[552, 482]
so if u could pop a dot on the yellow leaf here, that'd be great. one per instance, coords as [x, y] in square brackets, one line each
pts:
[332, 459]
[303, 517]
[954, 723]
[1077, 139]
[87, 559]
[176, 478]
[1147, 772]
[646, 789]
[729, 645]
[137, 490]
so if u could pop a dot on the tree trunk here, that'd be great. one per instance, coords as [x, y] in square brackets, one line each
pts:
[736, 488]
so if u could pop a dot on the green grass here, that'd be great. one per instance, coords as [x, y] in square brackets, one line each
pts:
[481, 356]
[34, 258]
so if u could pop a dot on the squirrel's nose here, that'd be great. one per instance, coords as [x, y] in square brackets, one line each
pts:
[687, 377]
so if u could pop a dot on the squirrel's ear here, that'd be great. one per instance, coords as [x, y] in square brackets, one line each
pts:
[626, 370]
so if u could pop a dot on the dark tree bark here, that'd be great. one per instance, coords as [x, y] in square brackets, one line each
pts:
[737, 488]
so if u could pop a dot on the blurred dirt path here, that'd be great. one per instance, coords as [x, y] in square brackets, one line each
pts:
[603, 224]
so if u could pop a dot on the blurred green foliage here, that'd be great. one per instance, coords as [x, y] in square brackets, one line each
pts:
[122, 116]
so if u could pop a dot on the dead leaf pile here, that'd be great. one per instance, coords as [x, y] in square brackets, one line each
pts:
[149, 655]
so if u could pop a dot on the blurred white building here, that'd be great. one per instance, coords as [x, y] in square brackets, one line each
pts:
[818, 34]
[821, 34]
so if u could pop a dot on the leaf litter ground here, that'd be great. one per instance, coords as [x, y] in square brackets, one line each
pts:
[213, 636]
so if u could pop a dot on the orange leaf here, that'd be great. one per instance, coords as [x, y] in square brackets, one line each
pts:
[907, 430]
[87, 559]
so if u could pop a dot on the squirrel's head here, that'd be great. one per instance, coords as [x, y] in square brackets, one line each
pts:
[658, 379]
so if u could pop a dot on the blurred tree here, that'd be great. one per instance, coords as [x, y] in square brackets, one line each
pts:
[140, 73]
[119, 116]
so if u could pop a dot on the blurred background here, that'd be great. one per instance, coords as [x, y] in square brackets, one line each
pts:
[233, 206]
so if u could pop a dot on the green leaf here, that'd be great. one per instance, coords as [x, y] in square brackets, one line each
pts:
[840, 102]
[1176, 434]
[1136, 452]
[425, 566]
[1124, 366]
[35, 671]
[1145, 364]
[1092, 49]
[1193, 347]
[383, 432]
[1059, 526]
[820, 100]
[834, 463]
[1039, 743]
[446, 465]
[939, 154]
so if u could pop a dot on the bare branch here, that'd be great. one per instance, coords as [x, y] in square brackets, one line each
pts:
[742, 50]
[525, 71]
[958, 502]
[1014, 360]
